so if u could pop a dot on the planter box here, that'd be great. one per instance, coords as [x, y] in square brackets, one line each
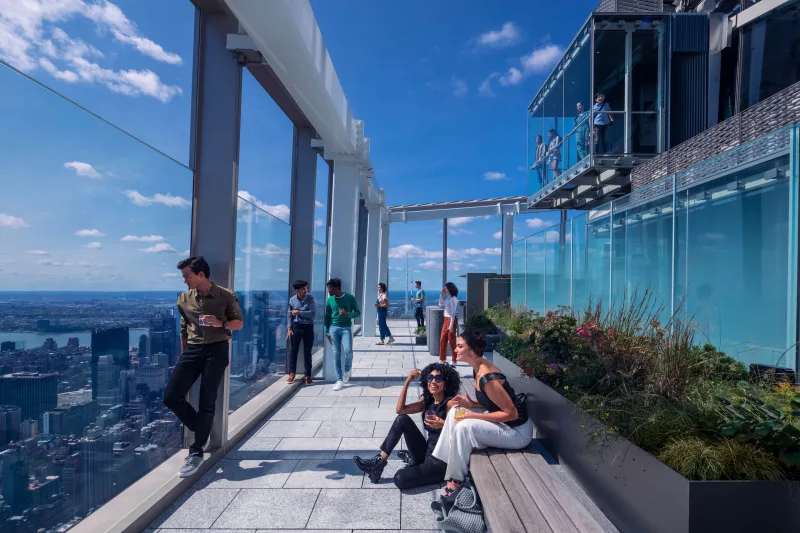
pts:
[639, 493]
[493, 340]
[420, 340]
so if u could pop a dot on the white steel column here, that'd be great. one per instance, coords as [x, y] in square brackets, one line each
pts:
[342, 243]
[444, 251]
[371, 274]
[217, 90]
[507, 236]
[383, 268]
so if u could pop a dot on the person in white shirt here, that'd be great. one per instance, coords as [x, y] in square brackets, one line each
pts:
[383, 307]
[449, 302]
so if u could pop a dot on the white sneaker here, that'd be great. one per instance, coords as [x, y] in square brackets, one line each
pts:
[379, 342]
[339, 386]
[347, 376]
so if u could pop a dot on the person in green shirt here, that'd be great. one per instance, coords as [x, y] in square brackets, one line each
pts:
[340, 310]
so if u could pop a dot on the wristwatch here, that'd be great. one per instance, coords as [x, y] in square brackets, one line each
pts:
[224, 324]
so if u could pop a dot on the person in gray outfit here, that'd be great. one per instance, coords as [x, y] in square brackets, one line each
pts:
[302, 309]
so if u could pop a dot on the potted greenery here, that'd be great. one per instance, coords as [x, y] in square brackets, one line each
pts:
[421, 336]
[664, 435]
[483, 323]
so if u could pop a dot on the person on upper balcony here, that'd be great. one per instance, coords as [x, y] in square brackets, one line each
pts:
[581, 130]
[449, 302]
[554, 152]
[541, 156]
[602, 120]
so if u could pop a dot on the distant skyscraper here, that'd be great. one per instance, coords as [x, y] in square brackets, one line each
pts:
[112, 342]
[8, 346]
[108, 375]
[144, 347]
[33, 392]
[15, 480]
[154, 376]
[127, 385]
[10, 420]
[164, 336]
[28, 429]
[49, 344]
[73, 342]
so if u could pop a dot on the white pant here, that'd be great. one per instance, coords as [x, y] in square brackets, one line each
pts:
[459, 439]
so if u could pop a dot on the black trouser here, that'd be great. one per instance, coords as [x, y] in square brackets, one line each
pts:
[305, 333]
[419, 314]
[427, 469]
[208, 360]
[601, 147]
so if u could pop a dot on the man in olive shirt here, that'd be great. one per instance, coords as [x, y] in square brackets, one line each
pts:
[340, 310]
[208, 315]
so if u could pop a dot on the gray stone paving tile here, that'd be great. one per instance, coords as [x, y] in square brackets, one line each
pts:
[369, 371]
[328, 413]
[306, 448]
[381, 429]
[357, 401]
[310, 401]
[349, 390]
[279, 428]
[325, 474]
[335, 428]
[303, 530]
[362, 446]
[196, 509]
[165, 530]
[355, 508]
[252, 474]
[273, 508]
[374, 415]
[312, 390]
[416, 507]
[288, 413]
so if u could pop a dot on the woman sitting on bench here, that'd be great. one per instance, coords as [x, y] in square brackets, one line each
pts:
[505, 423]
[440, 385]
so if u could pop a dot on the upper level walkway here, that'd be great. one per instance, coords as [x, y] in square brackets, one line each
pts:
[295, 469]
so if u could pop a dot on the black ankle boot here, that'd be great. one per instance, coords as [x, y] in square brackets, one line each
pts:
[373, 467]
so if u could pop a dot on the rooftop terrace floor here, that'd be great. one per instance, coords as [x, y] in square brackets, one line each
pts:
[295, 471]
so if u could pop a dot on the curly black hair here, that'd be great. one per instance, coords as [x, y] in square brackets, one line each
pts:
[452, 381]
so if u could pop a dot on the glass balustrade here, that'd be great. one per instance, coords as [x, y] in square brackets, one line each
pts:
[715, 243]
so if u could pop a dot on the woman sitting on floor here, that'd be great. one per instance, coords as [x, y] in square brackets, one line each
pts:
[505, 423]
[440, 385]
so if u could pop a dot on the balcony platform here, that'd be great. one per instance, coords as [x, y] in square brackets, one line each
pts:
[295, 469]
[591, 182]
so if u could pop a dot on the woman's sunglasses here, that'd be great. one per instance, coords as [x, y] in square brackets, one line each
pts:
[436, 377]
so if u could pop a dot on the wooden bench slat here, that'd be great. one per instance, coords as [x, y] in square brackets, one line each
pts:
[556, 517]
[528, 510]
[574, 509]
[497, 506]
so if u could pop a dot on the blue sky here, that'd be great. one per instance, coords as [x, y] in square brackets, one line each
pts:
[441, 86]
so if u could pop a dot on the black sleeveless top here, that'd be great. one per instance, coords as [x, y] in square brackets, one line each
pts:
[441, 411]
[490, 406]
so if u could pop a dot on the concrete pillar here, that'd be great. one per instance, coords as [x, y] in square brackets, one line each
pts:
[301, 213]
[507, 240]
[444, 251]
[371, 270]
[383, 267]
[216, 96]
[345, 191]
[361, 252]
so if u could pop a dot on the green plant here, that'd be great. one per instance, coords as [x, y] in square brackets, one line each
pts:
[501, 316]
[481, 322]
[420, 331]
[700, 459]
[511, 347]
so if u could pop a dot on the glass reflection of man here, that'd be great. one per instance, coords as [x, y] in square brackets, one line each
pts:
[541, 154]
[581, 130]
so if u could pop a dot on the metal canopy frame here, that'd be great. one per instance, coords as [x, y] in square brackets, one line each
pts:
[510, 205]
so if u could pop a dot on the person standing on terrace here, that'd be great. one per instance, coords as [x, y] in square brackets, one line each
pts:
[449, 302]
[340, 310]
[602, 120]
[541, 155]
[419, 304]
[554, 152]
[383, 307]
[581, 130]
[302, 310]
[209, 313]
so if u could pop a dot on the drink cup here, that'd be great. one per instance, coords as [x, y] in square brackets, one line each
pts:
[430, 414]
[460, 412]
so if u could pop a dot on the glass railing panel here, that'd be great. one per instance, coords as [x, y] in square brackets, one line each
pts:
[537, 146]
[733, 264]
[597, 257]
[558, 265]
[608, 133]
[534, 273]
[518, 274]
[318, 288]
[578, 258]
[93, 223]
[258, 350]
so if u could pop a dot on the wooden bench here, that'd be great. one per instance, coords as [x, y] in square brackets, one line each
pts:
[521, 493]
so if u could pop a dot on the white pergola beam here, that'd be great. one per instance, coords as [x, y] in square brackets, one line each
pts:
[442, 213]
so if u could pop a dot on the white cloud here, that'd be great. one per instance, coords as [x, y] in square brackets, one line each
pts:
[142, 238]
[508, 35]
[485, 88]
[49, 262]
[409, 250]
[494, 176]
[89, 233]
[169, 275]
[186, 253]
[283, 270]
[10, 221]
[158, 248]
[499, 235]
[84, 264]
[270, 249]
[280, 211]
[484, 251]
[539, 60]
[536, 223]
[459, 231]
[470, 265]
[30, 38]
[459, 86]
[431, 265]
[83, 169]
[164, 199]
[319, 224]
[319, 204]
[38, 252]
[93, 245]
